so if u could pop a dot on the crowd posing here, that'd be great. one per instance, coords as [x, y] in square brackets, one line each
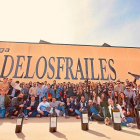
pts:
[38, 99]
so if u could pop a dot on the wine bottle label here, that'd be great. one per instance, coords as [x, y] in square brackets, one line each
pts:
[53, 121]
[116, 116]
[85, 118]
[19, 121]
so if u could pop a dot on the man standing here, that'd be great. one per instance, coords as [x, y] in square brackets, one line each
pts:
[45, 85]
[119, 87]
[25, 91]
[33, 90]
[130, 94]
[10, 87]
[40, 93]
[4, 84]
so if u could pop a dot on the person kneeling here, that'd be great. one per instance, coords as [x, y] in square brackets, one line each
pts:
[17, 104]
[5, 101]
[30, 108]
[42, 107]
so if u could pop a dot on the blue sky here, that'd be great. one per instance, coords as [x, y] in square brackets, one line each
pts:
[90, 22]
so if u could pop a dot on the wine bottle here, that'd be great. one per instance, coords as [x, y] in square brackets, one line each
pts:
[137, 111]
[84, 118]
[116, 117]
[19, 122]
[53, 121]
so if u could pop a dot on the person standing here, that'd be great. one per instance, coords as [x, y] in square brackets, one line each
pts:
[40, 93]
[4, 84]
[25, 91]
[33, 90]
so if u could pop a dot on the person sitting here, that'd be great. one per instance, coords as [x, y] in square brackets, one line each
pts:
[79, 106]
[58, 105]
[93, 113]
[71, 107]
[16, 105]
[30, 108]
[4, 102]
[125, 121]
[42, 107]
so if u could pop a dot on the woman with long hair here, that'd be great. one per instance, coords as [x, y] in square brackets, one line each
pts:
[96, 99]
[125, 104]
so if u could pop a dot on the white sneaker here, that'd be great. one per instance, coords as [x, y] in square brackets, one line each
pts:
[64, 115]
[130, 125]
[26, 117]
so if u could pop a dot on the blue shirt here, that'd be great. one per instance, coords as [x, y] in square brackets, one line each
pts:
[2, 102]
[40, 90]
[93, 110]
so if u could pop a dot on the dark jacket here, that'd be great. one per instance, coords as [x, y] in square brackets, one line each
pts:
[72, 105]
[7, 101]
[70, 92]
[15, 103]
[128, 104]
[33, 108]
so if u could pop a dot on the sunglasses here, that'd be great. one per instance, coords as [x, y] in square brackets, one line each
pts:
[127, 88]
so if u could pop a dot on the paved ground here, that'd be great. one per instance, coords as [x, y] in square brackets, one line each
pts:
[68, 129]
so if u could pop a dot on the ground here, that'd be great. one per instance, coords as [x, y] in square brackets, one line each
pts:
[68, 129]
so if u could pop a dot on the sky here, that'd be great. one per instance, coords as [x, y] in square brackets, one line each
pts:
[85, 22]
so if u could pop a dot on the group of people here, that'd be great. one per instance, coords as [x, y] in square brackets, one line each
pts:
[39, 99]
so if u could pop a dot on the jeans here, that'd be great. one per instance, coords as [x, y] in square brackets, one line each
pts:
[2, 113]
[129, 120]
[40, 99]
[11, 111]
[27, 111]
[78, 112]
[61, 108]
[97, 117]
[45, 113]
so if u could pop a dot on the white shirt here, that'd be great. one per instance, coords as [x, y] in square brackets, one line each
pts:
[42, 106]
[119, 107]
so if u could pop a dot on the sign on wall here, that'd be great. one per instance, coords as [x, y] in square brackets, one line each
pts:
[40, 62]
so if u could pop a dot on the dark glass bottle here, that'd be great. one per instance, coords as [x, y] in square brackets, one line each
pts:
[84, 118]
[116, 117]
[19, 122]
[53, 121]
[137, 112]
